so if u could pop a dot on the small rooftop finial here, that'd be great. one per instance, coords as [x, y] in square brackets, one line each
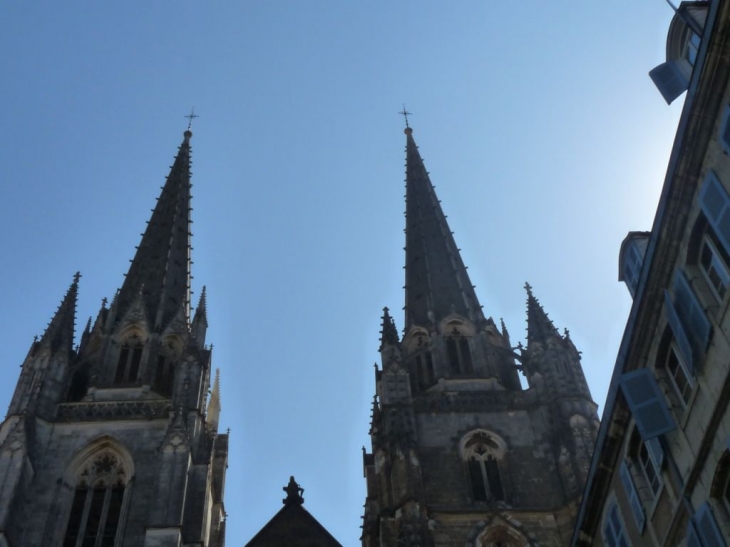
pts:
[528, 288]
[77, 276]
[405, 114]
[190, 118]
[293, 493]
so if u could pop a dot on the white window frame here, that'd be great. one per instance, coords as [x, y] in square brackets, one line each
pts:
[649, 471]
[614, 528]
[692, 47]
[681, 368]
[717, 263]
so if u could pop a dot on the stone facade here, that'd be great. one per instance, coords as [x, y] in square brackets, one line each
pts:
[661, 470]
[114, 443]
[461, 453]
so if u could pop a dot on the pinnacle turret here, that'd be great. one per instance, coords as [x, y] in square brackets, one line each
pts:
[539, 325]
[437, 283]
[214, 406]
[60, 331]
[388, 331]
[161, 265]
[199, 325]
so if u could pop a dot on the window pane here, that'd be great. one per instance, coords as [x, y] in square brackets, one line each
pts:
[495, 483]
[479, 492]
[678, 376]
[650, 472]
[112, 517]
[430, 374]
[636, 507]
[691, 312]
[94, 520]
[453, 355]
[707, 527]
[74, 519]
[121, 365]
[134, 365]
[465, 355]
[714, 268]
[716, 206]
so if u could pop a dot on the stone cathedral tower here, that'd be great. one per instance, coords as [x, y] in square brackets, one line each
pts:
[461, 453]
[110, 444]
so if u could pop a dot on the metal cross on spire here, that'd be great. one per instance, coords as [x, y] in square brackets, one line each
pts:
[191, 117]
[405, 114]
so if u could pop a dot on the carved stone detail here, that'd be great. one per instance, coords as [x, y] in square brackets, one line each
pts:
[113, 410]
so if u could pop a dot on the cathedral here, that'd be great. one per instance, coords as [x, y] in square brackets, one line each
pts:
[461, 453]
[114, 442]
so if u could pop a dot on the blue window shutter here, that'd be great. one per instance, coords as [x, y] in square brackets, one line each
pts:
[691, 313]
[636, 508]
[707, 528]
[669, 79]
[632, 266]
[647, 403]
[693, 540]
[680, 336]
[715, 203]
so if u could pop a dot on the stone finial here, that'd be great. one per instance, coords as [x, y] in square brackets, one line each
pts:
[539, 325]
[214, 406]
[388, 331]
[293, 493]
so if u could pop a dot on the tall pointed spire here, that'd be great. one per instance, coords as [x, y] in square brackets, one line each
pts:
[437, 282]
[60, 331]
[199, 326]
[539, 325]
[214, 406]
[161, 266]
[388, 332]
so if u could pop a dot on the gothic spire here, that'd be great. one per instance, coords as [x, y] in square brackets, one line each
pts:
[161, 266]
[60, 331]
[539, 325]
[202, 309]
[437, 282]
[388, 332]
[199, 325]
[214, 406]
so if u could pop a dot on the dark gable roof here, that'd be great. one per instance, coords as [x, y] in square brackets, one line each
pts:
[293, 526]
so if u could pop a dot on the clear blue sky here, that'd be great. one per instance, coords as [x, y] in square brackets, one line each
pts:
[544, 136]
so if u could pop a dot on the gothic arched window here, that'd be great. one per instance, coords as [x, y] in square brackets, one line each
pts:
[457, 334]
[165, 368]
[130, 357]
[423, 364]
[483, 452]
[96, 509]
[459, 353]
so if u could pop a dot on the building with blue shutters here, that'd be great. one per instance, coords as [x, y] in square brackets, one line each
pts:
[660, 473]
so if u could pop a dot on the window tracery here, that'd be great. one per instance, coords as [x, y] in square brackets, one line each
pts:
[482, 452]
[165, 368]
[130, 357]
[96, 509]
[458, 351]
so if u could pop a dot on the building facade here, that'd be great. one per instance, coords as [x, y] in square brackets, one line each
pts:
[114, 442]
[661, 469]
[461, 453]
